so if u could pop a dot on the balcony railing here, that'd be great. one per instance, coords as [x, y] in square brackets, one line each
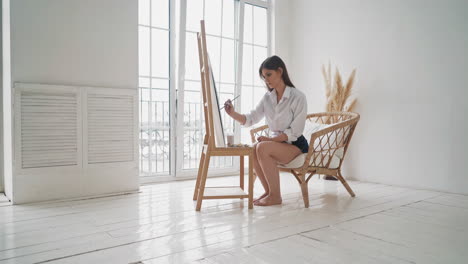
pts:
[155, 141]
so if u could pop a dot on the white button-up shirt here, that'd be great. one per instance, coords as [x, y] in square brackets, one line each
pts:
[287, 116]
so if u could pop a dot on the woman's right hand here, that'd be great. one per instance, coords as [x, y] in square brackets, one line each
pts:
[228, 107]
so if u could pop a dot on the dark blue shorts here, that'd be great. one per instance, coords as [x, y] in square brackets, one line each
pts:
[302, 144]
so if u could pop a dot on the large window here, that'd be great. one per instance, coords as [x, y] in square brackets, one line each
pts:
[154, 79]
[237, 39]
[255, 51]
[219, 16]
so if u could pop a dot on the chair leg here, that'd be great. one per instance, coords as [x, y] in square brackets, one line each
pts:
[200, 170]
[304, 189]
[310, 176]
[296, 176]
[345, 184]
[305, 194]
[204, 174]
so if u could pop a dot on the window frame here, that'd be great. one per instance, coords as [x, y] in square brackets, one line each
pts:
[268, 6]
[180, 170]
[172, 100]
[177, 86]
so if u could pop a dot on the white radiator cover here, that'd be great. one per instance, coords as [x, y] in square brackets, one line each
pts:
[74, 141]
[49, 129]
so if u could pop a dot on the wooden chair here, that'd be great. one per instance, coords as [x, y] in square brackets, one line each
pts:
[329, 134]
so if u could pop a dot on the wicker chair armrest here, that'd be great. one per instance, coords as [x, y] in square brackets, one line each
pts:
[255, 131]
[313, 151]
[331, 128]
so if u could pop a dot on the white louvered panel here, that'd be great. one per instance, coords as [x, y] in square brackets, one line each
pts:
[48, 129]
[110, 128]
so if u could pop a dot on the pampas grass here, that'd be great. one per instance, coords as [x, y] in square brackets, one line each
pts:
[337, 94]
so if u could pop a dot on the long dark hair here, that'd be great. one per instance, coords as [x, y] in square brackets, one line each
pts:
[274, 63]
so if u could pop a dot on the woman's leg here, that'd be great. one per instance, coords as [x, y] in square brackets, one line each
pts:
[269, 154]
[259, 173]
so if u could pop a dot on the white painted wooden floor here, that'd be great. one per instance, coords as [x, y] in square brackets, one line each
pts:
[383, 224]
[3, 200]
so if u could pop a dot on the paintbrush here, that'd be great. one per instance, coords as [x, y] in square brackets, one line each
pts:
[231, 101]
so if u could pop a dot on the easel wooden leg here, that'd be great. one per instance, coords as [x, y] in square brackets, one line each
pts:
[200, 170]
[241, 172]
[251, 181]
[204, 174]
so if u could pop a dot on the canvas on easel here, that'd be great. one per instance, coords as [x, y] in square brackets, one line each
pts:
[213, 142]
[217, 121]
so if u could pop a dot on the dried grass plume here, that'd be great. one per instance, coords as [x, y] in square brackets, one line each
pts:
[337, 94]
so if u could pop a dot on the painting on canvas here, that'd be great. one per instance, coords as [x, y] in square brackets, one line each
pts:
[217, 122]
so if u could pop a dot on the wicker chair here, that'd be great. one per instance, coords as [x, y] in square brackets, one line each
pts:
[329, 134]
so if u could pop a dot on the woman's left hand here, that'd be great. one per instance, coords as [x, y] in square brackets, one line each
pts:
[262, 138]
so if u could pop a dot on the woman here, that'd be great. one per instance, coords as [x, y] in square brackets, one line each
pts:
[285, 111]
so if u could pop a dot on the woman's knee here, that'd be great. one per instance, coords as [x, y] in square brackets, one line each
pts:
[263, 148]
[255, 145]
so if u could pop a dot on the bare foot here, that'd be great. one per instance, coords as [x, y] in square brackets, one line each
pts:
[261, 197]
[269, 200]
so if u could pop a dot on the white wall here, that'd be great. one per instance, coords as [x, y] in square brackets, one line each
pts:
[280, 34]
[412, 60]
[81, 43]
[85, 42]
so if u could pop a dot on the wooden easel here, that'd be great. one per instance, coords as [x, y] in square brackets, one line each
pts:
[209, 147]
